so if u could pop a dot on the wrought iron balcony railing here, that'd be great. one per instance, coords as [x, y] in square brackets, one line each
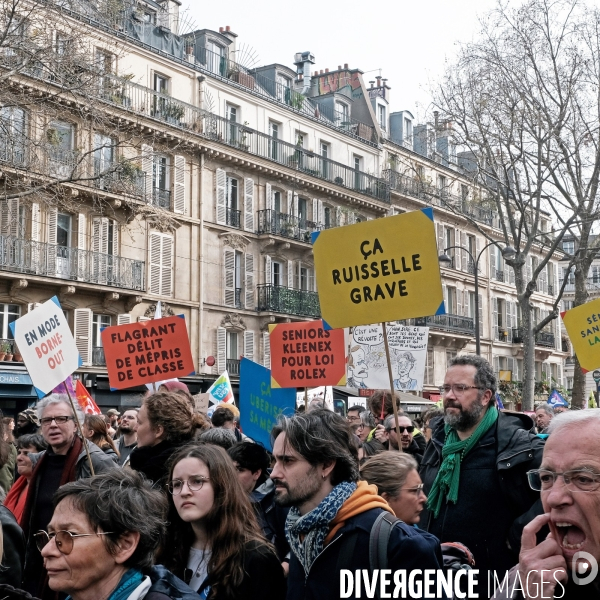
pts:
[503, 334]
[233, 366]
[451, 323]
[238, 298]
[123, 180]
[39, 258]
[276, 223]
[9, 351]
[233, 217]
[161, 198]
[98, 359]
[542, 338]
[280, 299]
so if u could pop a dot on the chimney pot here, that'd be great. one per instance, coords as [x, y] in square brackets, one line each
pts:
[326, 70]
[339, 67]
[378, 82]
[345, 65]
[321, 72]
[227, 28]
[316, 73]
[221, 29]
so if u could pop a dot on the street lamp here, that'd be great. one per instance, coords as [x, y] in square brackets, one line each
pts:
[508, 252]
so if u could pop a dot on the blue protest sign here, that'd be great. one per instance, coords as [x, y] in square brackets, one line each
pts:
[259, 404]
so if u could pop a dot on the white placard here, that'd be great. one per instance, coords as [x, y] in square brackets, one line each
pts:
[367, 364]
[47, 346]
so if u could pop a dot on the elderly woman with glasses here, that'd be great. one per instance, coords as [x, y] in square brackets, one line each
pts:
[398, 483]
[102, 539]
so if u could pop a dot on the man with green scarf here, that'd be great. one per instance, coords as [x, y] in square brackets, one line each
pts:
[474, 469]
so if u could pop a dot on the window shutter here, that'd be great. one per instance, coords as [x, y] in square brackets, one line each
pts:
[480, 300]
[297, 275]
[266, 350]
[35, 222]
[221, 191]
[315, 210]
[496, 364]
[154, 245]
[249, 345]
[179, 184]
[290, 202]
[115, 240]
[10, 217]
[83, 334]
[457, 251]
[229, 264]
[142, 319]
[123, 319]
[268, 196]
[268, 276]
[440, 234]
[290, 274]
[52, 224]
[100, 248]
[445, 293]
[147, 167]
[249, 281]
[81, 231]
[478, 250]
[249, 204]
[557, 282]
[495, 315]
[338, 216]
[465, 257]
[311, 280]
[166, 284]
[319, 212]
[221, 349]
[492, 251]
[295, 205]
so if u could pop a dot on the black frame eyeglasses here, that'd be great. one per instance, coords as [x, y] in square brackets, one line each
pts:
[58, 420]
[64, 539]
[457, 388]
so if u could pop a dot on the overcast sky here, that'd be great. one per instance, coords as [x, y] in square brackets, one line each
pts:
[408, 41]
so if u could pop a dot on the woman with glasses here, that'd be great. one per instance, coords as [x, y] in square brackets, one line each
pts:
[102, 539]
[214, 541]
[398, 483]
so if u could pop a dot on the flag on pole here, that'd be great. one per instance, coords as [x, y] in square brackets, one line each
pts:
[555, 399]
[77, 390]
[220, 390]
[499, 403]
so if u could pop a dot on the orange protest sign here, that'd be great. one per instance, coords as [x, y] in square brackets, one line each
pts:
[146, 352]
[305, 354]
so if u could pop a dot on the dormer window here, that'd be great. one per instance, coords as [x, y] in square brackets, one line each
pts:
[342, 113]
[382, 116]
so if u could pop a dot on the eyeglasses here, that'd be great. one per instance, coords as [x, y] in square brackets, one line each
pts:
[194, 484]
[353, 419]
[402, 429]
[414, 490]
[458, 388]
[64, 539]
[578, 480]
[58, 420]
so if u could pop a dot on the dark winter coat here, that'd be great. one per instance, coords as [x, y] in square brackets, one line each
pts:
[152, 461]
[14, 549]
[493, 491]
[408, 548]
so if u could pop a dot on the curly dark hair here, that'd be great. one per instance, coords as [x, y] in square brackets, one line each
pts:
[322, 436]
[121, 501]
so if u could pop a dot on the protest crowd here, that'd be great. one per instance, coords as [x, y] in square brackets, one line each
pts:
[161, 501]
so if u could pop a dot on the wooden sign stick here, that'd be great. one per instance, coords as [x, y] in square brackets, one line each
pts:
[391, 375]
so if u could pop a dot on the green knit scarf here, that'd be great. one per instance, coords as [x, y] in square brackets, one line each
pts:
[454, 450]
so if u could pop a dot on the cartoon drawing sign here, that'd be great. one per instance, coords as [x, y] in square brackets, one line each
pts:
[47, 346]
[583, 326]
[367, 365]
[306, 355]
[145, 352]
[378, 271]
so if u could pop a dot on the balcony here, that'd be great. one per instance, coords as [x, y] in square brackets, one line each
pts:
[280, 299]
[122, 180]
[289, 226]
[98, 359]
[9, 351]
[233, 366]
[542, 338]
[19, 255]
[592, 284]
[422, 190]
[161, 198]
[498, 275]
[450, 323]
[503, 334]
[233, 217]
[238, 298]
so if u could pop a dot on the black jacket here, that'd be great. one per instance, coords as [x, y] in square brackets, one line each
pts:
[152, 461]
[263, 576]
[408, 548]
[14, 549]
[493, 490]
[271, 517]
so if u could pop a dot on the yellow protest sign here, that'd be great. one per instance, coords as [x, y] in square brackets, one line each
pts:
[583, 326]
[380, 270]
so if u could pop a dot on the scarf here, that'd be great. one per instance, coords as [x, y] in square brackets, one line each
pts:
[152, 461]
[364, 498]
[447, 479]
[69, 474]
[306, 534]
[16, 498]
[128, 583]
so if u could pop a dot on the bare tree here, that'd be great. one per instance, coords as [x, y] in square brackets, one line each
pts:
[525, 103]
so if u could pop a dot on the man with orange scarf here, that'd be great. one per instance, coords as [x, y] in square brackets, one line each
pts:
[332, 513]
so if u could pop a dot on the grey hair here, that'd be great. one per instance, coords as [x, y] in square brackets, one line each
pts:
[574, 417]
[219, 437]
[58, 399]
[485, 377]
[367, 418]
[389, 422]
[546, 408]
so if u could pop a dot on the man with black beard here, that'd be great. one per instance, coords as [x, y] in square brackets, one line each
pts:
[128, 435]
[475, 470]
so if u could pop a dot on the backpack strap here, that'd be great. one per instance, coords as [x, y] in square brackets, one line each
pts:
[379, 540]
